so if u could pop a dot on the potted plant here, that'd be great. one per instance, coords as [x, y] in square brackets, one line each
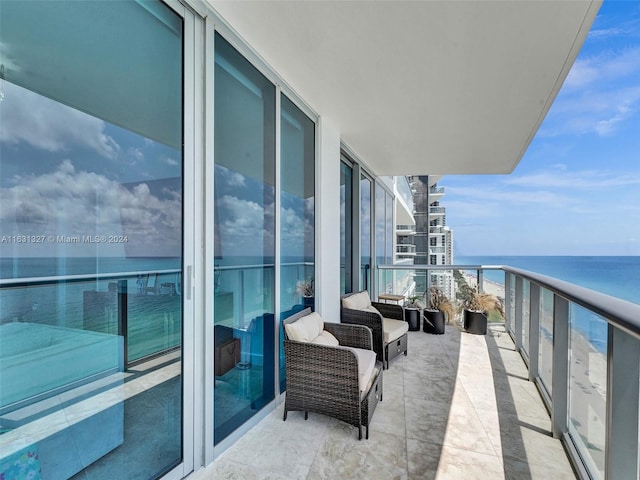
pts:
[412, 310]
[306, 289]
[440, 310]
[477, 306]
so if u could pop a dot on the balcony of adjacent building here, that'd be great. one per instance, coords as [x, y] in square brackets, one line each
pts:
[406, 250]
[405, 230]
[437, 211]
[436, 193]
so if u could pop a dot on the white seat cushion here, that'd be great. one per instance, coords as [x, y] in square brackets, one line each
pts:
[357, 301]
[305, 329]
[393, 329]
[326, 338]
[366, 366]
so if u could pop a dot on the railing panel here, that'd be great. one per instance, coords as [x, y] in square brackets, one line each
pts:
[526, 314]
[545, 349]
[583, 350]
[588, 386]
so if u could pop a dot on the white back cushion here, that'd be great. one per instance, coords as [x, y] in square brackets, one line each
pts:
[305, 329]
[357, 301]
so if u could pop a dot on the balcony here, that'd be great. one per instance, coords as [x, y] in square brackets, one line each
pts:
[437, 250]
[405, 230]
[437, 210]
[456, 406]
[406, 249]
[511, 404]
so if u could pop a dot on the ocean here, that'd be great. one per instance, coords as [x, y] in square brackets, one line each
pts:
[615, 276]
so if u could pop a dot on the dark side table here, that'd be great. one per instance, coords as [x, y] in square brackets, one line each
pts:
[412, 317]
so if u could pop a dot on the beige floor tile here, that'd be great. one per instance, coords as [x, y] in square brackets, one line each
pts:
[458, 407]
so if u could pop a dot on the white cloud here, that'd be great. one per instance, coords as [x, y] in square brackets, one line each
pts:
[49, 125]
[76, 203]
[586, 179]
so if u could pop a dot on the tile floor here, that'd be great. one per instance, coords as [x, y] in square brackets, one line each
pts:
[459, 406]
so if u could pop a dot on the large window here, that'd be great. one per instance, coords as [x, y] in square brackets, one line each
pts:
[297, 214]
[346, 228]
[384, 235]
[244, 233]
[90, 239]
[365, 233]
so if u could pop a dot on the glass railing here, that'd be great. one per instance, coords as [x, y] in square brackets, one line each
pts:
[90, 371]
[404, 191]
[144, 307]
[406, 249]
[437, 210]
[582, 350]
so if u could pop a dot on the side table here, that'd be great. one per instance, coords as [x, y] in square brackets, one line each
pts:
[389, 297]
[412, 317]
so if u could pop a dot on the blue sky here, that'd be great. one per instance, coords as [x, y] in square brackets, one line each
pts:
[576, 191]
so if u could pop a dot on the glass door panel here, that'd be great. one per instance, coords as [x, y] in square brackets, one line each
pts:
[244, 238]
[297, 215]
[91, 189]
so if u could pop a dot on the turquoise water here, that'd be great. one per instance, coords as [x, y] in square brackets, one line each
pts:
[616, 276]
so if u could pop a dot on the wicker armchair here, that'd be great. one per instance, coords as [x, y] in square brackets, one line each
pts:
[377, 319]
[325, 379]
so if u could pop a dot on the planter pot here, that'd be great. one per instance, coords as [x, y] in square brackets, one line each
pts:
[309, 302]
[475, 322]
[412, 317]
[433, 322]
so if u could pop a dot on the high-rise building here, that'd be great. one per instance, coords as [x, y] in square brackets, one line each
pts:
[432, 239]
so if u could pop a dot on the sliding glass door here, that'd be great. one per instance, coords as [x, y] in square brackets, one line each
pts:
[244, 236]
[91, 215]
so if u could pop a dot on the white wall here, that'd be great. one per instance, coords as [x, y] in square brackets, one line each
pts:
[328, 222]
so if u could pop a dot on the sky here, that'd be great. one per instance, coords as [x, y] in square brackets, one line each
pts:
[576, 190]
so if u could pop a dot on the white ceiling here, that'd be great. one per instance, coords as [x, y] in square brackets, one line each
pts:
[422, 87]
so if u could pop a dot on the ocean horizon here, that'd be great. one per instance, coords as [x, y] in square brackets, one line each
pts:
[613, 275]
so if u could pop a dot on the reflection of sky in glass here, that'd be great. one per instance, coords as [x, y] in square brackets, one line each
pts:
[66, 173]
[365, 217]
[244, 215]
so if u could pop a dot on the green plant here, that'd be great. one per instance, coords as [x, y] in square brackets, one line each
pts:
[414, 302]
[439, 301]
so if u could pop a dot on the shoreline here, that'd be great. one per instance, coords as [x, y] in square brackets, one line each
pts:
[488, 286]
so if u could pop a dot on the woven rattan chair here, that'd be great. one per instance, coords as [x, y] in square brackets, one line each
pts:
[374, 319]
[324, 379]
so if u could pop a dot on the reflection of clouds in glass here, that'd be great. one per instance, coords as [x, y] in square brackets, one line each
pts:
[229, 177]
[49, 125]
[246, 227]
[77, 203]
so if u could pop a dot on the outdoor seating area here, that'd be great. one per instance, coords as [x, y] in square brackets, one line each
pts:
[386, 321]
[331, 369]
[459, 406]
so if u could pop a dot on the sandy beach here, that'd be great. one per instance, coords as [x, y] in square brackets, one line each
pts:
[488, 286]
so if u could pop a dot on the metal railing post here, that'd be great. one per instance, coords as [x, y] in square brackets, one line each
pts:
[560, 372]
[123, 319]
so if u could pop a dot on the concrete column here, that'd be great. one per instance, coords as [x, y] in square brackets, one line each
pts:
[327, 221]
